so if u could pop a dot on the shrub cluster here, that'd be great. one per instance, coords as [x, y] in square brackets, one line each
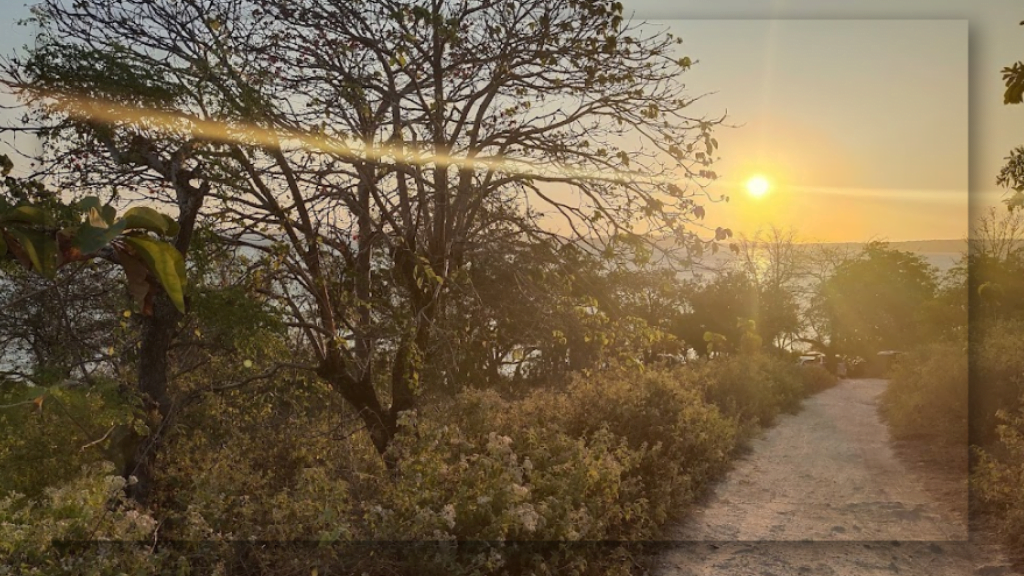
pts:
[997, 376]
[997, 426]
[817, 378]
[998, 479]
[926, 388]
[484, 484]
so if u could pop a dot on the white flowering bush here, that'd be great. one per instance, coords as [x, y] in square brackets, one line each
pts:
[85, 526]
[607, 458]
[483, 484]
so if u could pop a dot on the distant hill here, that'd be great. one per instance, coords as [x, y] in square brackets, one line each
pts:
[916, 246]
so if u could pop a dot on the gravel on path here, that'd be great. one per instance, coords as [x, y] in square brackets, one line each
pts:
[822, 493]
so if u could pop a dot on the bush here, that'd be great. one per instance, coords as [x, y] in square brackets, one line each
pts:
[927, 394]
[48, 434]
[999, 480]
[607, 458]
[816, 379]
[997, 376]
[90, 507]
[997, 425]
[483, 485]
[661, 414]
[753, 389]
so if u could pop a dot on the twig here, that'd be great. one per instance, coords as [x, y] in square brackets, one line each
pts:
[97, 441]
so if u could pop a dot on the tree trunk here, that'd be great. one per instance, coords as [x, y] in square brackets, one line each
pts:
[157, 333]
[360, 394]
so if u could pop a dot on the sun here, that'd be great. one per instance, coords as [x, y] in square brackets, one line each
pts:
[758, 186]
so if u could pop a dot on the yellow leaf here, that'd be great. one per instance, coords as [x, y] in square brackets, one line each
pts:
[127, 314]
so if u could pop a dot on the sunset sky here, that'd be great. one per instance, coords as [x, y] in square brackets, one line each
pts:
[857, 115]
[859, 126]
[868, 114]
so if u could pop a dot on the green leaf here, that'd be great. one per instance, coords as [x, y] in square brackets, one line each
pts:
[97, 213]
[27, 214]
[89, 238]
[142, 218]
[1014, 90]
[109, 213]
[166, 263]
[138, 280]
[95, 219]
[89, 202]
[40, 249]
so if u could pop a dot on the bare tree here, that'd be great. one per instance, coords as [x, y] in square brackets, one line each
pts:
[997, 235]
[370, 148]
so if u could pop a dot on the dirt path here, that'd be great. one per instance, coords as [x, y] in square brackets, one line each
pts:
[822, 493]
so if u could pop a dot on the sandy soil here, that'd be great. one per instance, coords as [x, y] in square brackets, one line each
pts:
[823, 493]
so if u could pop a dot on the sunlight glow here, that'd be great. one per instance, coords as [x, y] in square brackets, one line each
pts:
[94, 110]
[758, 186]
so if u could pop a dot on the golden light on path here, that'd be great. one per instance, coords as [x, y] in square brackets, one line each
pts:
[758, 186]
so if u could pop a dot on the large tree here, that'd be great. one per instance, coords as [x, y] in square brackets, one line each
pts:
[876, 302]
[378, 143]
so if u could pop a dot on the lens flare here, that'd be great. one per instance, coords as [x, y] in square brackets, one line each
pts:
[237, 132]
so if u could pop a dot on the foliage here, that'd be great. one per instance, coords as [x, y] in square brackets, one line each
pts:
[519, 484]
[48, 434]
[43, 234]
[754, 389]
[47, 535]
[997, 376]
[928, 387]
[996, 268]
[817, 378]
[1011, 175]
[876, 302]
[716, 306]
[998, 478]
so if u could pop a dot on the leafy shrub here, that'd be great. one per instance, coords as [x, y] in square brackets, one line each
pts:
[927, 394]
[997, 376]
[753, 389]
[484, 484]
[999, 480]
[997, 425]
[661, 414]
[48, 434]
[38, 536]
[816, 379]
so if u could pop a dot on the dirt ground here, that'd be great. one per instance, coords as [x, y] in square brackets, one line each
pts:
[826, 493]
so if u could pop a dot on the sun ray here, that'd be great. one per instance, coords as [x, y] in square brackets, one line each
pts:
[96, 110]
